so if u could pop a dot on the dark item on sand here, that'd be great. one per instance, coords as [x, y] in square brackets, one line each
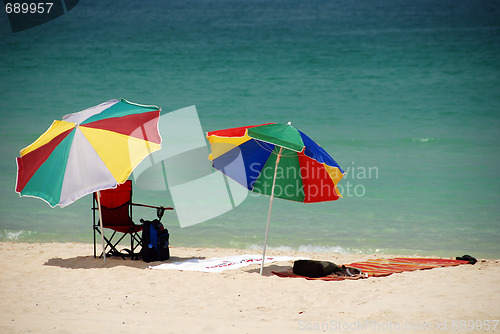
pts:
[467, 258]
[155, 241]
[314, 268]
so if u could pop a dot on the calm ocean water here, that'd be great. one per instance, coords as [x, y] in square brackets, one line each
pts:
[405, 95]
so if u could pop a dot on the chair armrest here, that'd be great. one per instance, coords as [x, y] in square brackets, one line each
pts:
[160, 210]
[152, 207]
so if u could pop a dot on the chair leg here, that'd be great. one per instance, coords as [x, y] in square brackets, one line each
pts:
[134, 236]
[114, 245]
[132, 244]
[94, 222]
[108, 242]
[135, 242]
[94, 243]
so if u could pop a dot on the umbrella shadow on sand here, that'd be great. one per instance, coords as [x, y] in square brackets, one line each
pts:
[89, 262]
[267, 271]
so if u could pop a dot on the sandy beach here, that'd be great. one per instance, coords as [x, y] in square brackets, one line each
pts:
[61, 288]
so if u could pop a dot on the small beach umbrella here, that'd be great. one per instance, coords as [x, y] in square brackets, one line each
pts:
[277, 160]
[88, 151]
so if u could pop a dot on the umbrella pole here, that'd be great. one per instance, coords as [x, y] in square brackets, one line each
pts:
[270, 209]
[102, 229]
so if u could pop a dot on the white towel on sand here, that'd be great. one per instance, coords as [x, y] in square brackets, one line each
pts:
[219, 264]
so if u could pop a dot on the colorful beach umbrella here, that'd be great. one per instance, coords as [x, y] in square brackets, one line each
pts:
[277, 160]
[88, 151]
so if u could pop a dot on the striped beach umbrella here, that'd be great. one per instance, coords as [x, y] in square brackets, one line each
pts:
[88, 151]
[277, 160]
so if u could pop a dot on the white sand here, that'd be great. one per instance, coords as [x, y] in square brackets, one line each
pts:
[61, 288]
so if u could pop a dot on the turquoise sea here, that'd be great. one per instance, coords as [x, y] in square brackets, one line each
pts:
[405, 95]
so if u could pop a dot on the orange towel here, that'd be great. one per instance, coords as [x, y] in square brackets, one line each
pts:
[384, 267]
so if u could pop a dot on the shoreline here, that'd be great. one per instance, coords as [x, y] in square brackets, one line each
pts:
[62, 288]
[305, 248]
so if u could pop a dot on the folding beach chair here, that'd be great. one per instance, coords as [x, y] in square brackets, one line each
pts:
[116, 210]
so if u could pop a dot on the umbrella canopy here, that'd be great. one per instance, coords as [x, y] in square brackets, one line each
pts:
[277, 160]
[88, 151]
[306, 172]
